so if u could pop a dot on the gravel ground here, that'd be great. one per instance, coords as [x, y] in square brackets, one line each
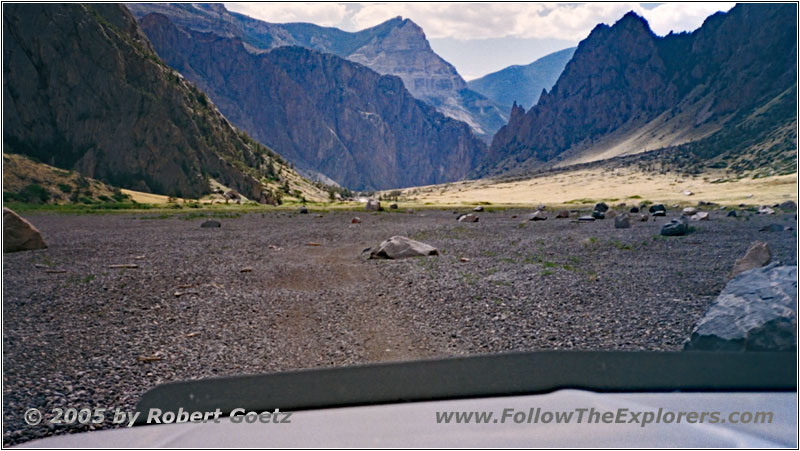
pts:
[279, 291]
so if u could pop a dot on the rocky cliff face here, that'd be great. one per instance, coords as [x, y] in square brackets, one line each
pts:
[396, 47]
[326, 114]
[627, 90]
[523, 84]
[84, 90]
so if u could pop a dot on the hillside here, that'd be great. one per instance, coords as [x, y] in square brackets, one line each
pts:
[626, 90]
[324, 113]
[396, 47]
[522, 84]
[83, 90]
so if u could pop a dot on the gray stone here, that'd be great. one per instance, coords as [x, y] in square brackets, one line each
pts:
[478, 208]
[373, 205]
[303, 210]
[764, 210]
[659, 213]
[689, 211]
[210, 224]
[602, 207]
[563, 214]
[598, 215]
[468, 218]
[700, 216]
[541, 207]
[732, 214]
[756, 311]
[757, 255]
[644, 217]
[622, 221]
[586, 218]
[19, 234]
[634, 210]
[538, 215]
[676, 227]
[658, 207]
[398, 247]
[788, 206]
[772, 228]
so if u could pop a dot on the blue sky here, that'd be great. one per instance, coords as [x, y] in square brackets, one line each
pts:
[480, 38]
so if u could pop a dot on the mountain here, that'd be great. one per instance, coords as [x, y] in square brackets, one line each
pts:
[626, 90]
[522, 85]
[322, 112]
[84, 90]
[396, 47]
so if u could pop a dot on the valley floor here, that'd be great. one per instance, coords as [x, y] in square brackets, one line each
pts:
[277, 291]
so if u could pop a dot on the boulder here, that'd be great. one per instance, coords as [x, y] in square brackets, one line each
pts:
[393, 207]
[689, 211]
[764, 210]
[622, 221]
[563, 214]
[19, 234]
[398, 247]
[756, 311]
[634, 210]
[303, 210]
[757, 255]
[586, 218]
[598, 215]
[676, 227]
[601, 207]
[478, 208]
[644, 217]
[788, 206]
[210, 224]
[538, 215]
[611, 214]
[658, 207]
[732, 214]
[373, 205]
[468, 218]
[700, 216]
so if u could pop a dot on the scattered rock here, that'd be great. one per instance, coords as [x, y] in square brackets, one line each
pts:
[246, 269]
[124, 266]
[303, 210]
[644, 217]
[634, 210]
[468, 218]
[757, 255]
[541, 207]
[756, 311]
[601, 207]
[676, 227]
[611, 214]
[659, 213]
[373, 205]
[598, 215]
[788, 206]
[355, 220]
[19, 234]
[622, 221]
[586, 218]
[563, 214]
[732, 214]
[463, 260]
[538, 215]
[688, 193]
[398, 247]
[689, 211]
[393, 207]
[700, 216]
[208, 224]
[772, 228]
[764, 210]
[657, 207]
[478, 208]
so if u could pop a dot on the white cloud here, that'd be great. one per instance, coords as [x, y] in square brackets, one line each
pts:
[466, 21]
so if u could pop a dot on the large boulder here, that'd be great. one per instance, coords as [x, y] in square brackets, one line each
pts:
[676, 227]
[689, 211]
[789, 205]
[601, 207]
[757, 255]
[622, 221]
[398, 247]
[756, 311]
[19, 234]
[373, 205]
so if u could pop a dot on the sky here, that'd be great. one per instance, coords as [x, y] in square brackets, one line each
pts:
[480, 38]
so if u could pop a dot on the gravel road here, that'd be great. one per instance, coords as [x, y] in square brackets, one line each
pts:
[277, 291]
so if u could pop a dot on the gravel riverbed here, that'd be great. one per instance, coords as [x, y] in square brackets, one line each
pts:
[277, 291]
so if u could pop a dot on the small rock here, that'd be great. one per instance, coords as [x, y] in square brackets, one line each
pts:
[622, 221]
[657, 207]
[757, 255]
[689, 211]
[398, 247]
[541, 207]
[634, 210]
[586, 218]
[563, 214]
[210, 224]
[659, 213]
[478, 208]
[303, 210]
[464, 260]
[644, 217]
[393, 207]
[676, 227]
[468, 218]
[688, 193]
[772, 228]
[788, 206]
[732, 214]
[611, 214]
[700, 216]
[355, 220]
[246, 269]
[538, 215]
[764, 210]
[601, 207]
[598, 215]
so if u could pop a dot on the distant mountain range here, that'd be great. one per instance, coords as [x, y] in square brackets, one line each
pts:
[396, 47]
[727, 90]
[84, 90]
[522, 84]
[324, 113]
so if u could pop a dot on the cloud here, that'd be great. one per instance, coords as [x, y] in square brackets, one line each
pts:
[465, 21]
